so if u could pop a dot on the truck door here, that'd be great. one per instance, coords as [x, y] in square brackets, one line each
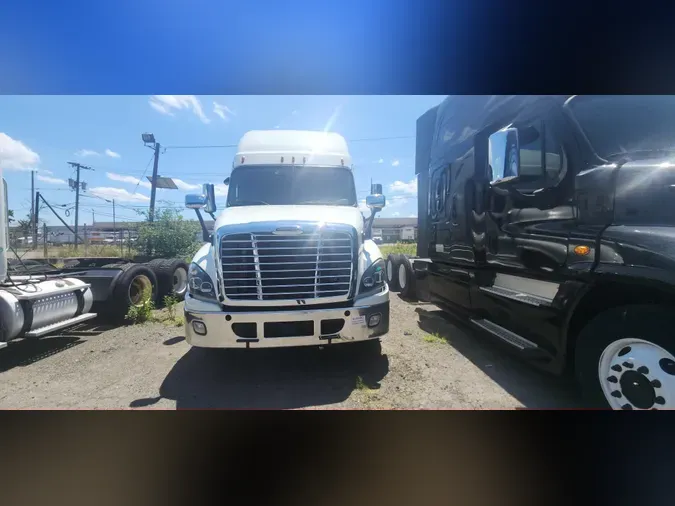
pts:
[450, 273]
[526, 246]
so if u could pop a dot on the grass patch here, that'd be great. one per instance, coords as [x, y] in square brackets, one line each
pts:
[361, 385]
[170, 315]
[435, 338]
[93, 251]
[402, 248]
[143, 312]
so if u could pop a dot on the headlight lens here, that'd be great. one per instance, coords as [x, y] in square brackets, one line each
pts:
[373, 278]
[200, 284]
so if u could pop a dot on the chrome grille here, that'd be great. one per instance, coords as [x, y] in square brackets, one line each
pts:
[261, 266]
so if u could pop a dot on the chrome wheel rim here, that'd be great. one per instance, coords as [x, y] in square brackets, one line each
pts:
[139, 287]
[179, 281]
[637, 374]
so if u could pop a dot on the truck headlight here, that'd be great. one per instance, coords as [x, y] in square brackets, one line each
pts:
[373, 278]
[200, 284]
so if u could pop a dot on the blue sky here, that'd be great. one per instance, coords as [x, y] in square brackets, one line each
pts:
[104, 132]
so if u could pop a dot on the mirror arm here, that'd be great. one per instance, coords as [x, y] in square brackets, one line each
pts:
[206, 236]
[369, 224]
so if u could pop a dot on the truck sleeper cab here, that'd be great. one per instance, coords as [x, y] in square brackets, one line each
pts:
[290, 261]
[549, 223]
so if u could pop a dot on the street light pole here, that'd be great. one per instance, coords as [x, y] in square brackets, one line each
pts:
[153, 188]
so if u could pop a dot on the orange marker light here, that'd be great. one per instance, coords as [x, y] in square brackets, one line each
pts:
[582, 250]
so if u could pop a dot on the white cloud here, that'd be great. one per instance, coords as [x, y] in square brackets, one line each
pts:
[128, 179]
[409, 188]
[396, 214]
[45, 171]
[224, 112]
[82, 153]
[381, 160]
[112, 154]
[118, 194]
[15, 155]
[395, 163]
[167, 104]
[51, 180]
[295, 112]
[276, 126]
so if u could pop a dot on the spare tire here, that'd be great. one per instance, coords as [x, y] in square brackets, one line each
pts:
[171, 276]
[392, 273]
[130, 287]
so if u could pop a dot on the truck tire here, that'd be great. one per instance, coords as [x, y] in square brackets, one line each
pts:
[625, 358]
[406, 278]
[392, 270]
[128, 290]
[171, 276]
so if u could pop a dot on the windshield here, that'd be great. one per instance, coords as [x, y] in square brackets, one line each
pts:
[274, 185]
[627, 123]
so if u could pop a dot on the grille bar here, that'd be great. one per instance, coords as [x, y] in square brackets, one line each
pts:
[267, 267]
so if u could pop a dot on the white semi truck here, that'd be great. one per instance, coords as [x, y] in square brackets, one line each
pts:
[290, 261]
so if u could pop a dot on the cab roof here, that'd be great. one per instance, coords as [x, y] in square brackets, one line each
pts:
[292, 147]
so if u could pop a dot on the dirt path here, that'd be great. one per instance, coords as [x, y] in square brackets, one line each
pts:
[151, 366]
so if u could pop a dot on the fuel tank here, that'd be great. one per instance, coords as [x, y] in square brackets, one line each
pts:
[29, 306]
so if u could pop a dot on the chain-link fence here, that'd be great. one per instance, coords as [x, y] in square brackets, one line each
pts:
[57, 242]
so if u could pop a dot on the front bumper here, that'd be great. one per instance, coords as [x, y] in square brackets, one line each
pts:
[284, 328]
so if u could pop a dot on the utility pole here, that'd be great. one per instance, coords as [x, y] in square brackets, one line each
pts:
[153, 189]
[33, 221]
[77, 185]
[114, 225]
[93, 220]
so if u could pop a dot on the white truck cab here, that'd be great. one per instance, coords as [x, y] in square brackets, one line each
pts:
[290, 261]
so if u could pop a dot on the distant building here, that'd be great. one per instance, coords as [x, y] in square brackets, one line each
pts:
[395, 229]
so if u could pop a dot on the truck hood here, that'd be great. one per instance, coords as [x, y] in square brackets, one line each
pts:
[342, 215]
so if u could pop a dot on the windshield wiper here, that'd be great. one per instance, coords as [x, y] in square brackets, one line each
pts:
[249, 203]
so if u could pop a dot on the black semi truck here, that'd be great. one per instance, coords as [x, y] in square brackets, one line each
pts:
[548, 222]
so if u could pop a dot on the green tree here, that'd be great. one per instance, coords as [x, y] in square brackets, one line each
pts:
[169, 236]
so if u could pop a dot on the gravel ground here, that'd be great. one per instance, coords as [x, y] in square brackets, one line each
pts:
[426, 362]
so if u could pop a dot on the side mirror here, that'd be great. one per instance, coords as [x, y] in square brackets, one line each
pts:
[503, 156]
[376, 202]
[195, 201]
[376, 189]
[210, 194]
[226, 181]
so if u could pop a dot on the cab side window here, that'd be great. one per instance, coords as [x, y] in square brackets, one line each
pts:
[541, 156]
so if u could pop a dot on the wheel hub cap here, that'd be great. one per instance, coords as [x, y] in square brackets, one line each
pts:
[637, 374]
[637, 389]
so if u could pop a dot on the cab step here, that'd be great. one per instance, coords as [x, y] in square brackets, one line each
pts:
[505, 335]
[526, 298]
[60, 325]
